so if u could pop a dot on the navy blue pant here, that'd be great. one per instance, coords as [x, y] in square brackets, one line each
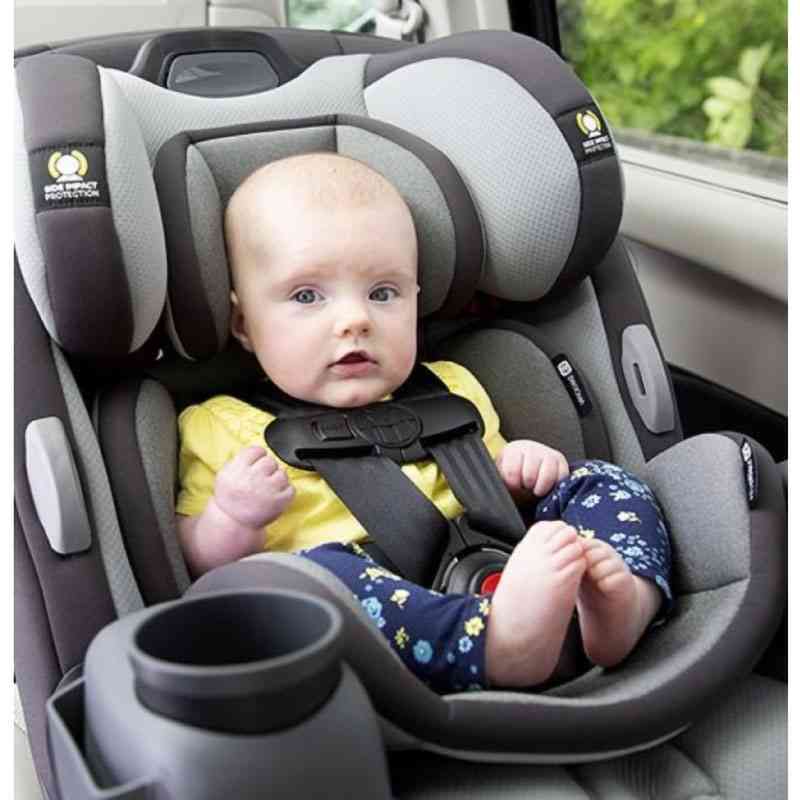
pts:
[442, 638]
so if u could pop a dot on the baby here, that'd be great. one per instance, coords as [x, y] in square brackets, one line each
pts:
[323, 253]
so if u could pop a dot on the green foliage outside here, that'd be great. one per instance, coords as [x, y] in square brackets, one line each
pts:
[713, 70]
[324, 14]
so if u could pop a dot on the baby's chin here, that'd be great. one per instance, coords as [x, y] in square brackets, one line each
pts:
[352, 397]
[354, 393]
[338, 392]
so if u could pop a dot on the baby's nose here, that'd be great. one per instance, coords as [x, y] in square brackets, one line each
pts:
[354, 321]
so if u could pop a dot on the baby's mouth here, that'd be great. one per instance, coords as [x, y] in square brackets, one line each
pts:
[356, 357]
[355, 364]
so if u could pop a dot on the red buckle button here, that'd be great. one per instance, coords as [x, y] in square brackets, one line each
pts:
[489, 583]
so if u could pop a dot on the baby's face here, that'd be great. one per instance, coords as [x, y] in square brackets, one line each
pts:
[327, 301]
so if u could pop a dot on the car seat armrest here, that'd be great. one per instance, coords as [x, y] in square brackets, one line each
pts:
[770, 478]
[729, 582]
[700, 483]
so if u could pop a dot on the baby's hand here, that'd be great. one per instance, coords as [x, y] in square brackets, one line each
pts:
[528, 466]
[252, 489]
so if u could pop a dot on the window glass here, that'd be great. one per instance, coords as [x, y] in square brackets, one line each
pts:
[705, 79]
[326, 14]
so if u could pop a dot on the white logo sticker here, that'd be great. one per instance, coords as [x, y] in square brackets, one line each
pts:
[564, 369]
[591, 127]
[69, 170]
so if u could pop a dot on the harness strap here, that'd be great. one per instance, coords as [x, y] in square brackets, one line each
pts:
[476, 482]
[470, 470]
[358, 453]
[408, 531]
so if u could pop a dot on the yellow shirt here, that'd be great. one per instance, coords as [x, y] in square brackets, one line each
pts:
[214, 432]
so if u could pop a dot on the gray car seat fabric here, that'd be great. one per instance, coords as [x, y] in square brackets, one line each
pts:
[490, 217]
[575, 322]
[492, 355]
[530, 214]
[137, 430]
[737, 752]
[124, 590]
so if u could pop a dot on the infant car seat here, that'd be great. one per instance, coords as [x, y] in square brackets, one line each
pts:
[122, 319]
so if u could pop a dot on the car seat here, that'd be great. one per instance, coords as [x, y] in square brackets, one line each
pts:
[121, 319]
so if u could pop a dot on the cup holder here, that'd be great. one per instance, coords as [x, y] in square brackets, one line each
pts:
[238, 662]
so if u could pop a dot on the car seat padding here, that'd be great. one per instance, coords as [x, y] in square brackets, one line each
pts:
[595, 436]
[449, 231]
[135, 428]
[74, 226]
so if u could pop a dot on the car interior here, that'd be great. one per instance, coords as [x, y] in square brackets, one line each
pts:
[135, 682]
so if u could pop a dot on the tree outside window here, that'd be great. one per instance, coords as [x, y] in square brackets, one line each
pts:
[712, 71]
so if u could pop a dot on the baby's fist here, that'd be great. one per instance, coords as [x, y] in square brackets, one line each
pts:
[252, 489]
[528, 466]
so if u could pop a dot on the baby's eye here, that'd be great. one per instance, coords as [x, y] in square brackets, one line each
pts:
[306, 296]
[383, 294]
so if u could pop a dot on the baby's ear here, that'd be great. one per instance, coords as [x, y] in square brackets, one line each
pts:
[239, 324]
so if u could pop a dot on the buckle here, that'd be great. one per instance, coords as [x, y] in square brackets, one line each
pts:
[385, 425]
[401, 431]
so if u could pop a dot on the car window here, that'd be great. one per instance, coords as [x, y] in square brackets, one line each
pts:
[702, 79]
[326, 14]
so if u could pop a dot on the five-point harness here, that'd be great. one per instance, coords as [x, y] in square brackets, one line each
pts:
[359, 452]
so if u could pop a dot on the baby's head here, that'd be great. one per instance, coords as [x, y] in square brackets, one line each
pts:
[323, 257]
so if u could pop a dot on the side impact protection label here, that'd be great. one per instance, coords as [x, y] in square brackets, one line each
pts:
[70, 176]
[587, 133]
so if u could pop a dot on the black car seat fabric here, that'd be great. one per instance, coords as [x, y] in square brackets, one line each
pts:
[545, 199]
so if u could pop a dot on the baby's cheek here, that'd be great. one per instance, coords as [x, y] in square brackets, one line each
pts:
[299, 383]
[408, 355]
[409, 362]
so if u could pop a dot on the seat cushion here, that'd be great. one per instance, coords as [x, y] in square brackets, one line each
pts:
[738, 752]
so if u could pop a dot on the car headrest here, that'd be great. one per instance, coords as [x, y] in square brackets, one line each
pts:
[486, 125]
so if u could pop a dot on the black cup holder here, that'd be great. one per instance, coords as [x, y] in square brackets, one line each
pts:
[239, 662]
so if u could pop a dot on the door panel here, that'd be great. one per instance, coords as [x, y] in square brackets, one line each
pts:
[709, 247]
[715, 327]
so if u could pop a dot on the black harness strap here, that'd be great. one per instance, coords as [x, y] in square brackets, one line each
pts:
[470, 471]
[355, 483]
[476, 482]
[358, 453]
[410, 532]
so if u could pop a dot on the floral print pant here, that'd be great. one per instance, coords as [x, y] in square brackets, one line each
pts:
[442, 638]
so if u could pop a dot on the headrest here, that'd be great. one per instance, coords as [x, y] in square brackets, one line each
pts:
[88, 234]
[502, 110]
[197, 172]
